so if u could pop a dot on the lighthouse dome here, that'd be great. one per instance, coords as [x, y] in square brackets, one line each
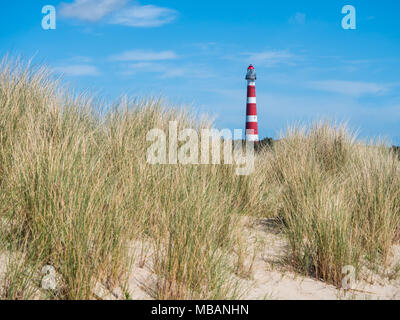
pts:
[251, 73]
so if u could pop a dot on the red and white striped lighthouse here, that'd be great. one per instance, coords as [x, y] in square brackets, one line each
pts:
[251, 113]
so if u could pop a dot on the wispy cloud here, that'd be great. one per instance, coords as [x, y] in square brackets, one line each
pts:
[350, 88]
[144, 16]
[118, 12]
[272, 58]
[90, 10]
[165, 71]
[205, 46]
[298, 18]
[78, 70]
[144, 55]
[81, 59]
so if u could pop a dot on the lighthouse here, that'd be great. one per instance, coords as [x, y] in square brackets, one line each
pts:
[251, 112]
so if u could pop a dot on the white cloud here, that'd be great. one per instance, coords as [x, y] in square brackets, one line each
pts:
[78, 70]
[168, 70]
[144, 16]
[90, 10]
[144, 55]
[272, 58]
[81, 59]
[350, 88]
[165, 71]
[118, 12]
[298, 18]
[205, 46]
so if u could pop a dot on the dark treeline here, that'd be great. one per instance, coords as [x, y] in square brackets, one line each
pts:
[269, 142]
[396, 150]
[262, 144]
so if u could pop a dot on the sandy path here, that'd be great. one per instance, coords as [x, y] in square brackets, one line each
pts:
[271, 279]
[268, 276]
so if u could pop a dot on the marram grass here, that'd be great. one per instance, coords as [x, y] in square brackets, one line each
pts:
[338, 199]
[75, 190]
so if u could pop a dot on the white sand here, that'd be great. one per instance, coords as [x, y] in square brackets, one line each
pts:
[267, 276]
[270, 278]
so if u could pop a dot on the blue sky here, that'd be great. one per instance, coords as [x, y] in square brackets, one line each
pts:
[196, 53]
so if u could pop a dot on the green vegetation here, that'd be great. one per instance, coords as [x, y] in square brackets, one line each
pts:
[75, 190]
[338, 199]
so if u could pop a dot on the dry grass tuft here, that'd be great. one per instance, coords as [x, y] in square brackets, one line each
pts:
[339, 200]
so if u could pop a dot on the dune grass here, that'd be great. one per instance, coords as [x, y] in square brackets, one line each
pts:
[338, 199]
[76, 189]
